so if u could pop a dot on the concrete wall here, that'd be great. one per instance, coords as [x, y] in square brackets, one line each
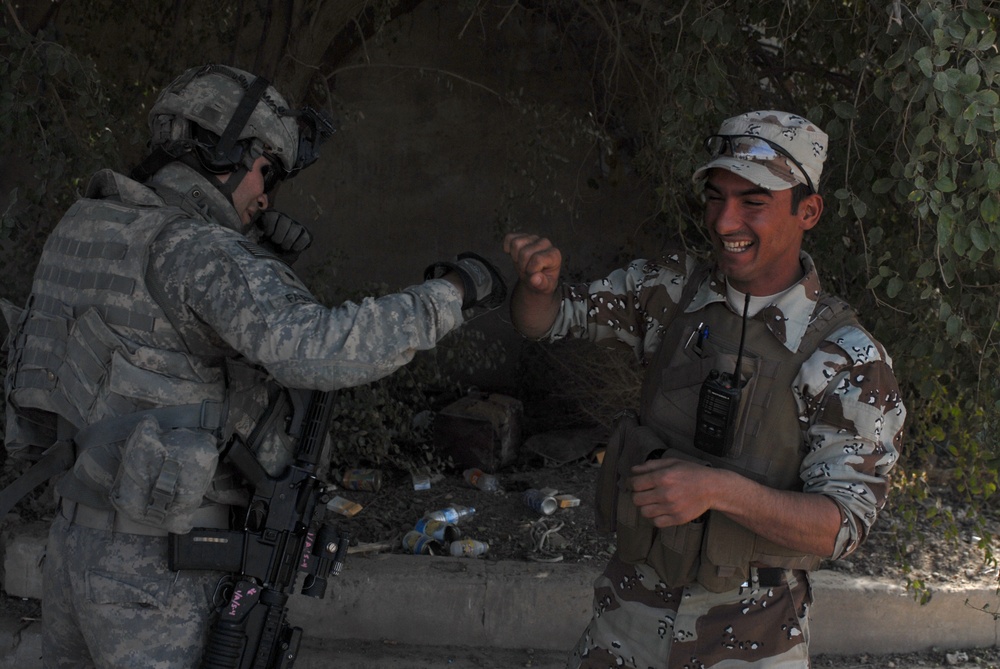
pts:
[453, 132]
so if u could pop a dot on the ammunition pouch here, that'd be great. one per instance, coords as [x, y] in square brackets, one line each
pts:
[713, 550]
[164, 475]
[729, 549]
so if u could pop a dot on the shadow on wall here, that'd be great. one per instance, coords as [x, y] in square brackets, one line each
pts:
[450, 136]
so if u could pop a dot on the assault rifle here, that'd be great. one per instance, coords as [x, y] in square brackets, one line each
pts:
[266, 555]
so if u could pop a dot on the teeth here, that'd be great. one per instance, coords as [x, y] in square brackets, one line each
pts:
[736, 247]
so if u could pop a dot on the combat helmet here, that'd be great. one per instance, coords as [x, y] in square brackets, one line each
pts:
[220, 119]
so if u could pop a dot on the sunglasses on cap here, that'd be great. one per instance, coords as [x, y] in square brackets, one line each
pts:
[753, 148]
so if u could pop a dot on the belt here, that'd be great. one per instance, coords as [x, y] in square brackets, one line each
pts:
[770, 577]
[216, 516]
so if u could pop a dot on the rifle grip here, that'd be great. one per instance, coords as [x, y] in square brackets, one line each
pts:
[228, 637]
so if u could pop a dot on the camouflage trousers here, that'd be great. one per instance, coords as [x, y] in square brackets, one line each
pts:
[639, 621]
[109, 600]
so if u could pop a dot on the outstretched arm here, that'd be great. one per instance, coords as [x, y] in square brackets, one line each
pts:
[534, 302]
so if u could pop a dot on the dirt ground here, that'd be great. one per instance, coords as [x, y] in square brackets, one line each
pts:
[513, 531]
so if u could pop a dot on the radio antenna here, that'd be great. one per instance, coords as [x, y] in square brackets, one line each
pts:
[737, 379]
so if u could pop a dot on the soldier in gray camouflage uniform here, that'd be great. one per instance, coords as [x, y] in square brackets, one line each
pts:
[768, 422]
[162, 324]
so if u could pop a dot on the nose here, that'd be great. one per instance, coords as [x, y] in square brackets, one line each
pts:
[262, 201]
[726, 219]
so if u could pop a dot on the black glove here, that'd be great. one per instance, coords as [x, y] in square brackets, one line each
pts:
[481, 282]
[283, 234]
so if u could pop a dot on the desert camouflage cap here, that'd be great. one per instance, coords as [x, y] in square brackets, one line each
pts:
[773, 149]
[209, 97]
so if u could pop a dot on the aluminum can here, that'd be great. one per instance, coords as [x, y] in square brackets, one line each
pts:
[418, 543]
[362, 479]
[543, 504]
[438, 529]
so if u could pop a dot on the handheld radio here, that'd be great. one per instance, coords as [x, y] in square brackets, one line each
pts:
[719, 403]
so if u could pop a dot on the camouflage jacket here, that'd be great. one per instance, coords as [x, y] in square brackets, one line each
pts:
[152, 296]
[846, 381]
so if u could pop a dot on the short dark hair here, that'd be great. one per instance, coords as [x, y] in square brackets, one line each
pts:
[799, 193]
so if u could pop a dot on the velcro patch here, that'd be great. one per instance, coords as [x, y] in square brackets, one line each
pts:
[256, 250]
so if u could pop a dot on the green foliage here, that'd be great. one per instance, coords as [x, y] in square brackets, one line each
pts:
[908, 94]
[52, 101]
[55, 131]
[907, 91]
[65, 115]
[388, 423]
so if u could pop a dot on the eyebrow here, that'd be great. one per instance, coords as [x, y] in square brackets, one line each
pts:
[757, 190]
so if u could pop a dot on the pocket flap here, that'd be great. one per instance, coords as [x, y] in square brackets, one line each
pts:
[105, 587]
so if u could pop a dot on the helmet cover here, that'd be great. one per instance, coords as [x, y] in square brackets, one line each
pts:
[209, 109]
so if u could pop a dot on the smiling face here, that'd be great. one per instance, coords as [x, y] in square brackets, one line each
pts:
[755, 235]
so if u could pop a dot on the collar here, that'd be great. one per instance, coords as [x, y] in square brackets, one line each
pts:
[181, 185]
[174, 184]
[787, 318]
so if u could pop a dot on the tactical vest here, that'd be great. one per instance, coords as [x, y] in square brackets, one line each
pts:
[94, 349]
[768, 446]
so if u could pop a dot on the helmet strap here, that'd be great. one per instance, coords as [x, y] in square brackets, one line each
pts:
[231, 184]
[231, 135]
[225, 187]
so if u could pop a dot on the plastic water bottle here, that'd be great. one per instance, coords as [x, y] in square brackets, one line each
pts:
[438, 529]
[468, 548]
[481, 480]
[452, 514]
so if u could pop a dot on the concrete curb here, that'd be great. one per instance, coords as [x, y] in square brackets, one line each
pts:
[444, 601]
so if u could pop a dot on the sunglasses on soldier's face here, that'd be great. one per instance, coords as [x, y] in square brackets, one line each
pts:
[272, 173]
[752, 148]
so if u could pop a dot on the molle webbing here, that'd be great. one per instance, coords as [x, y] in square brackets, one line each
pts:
[100, 250]
[89, 303]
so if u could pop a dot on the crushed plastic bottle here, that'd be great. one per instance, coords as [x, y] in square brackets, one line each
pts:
[468, 548]
[481, 480]
[452, 514]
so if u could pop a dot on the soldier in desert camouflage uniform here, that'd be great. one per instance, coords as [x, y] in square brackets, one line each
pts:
[162, 324]
[721, 515]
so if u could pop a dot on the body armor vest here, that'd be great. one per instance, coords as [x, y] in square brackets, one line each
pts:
[94, 350]
[93, 342]
[768, 445]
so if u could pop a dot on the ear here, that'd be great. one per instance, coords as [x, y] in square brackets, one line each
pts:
[810, 209]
